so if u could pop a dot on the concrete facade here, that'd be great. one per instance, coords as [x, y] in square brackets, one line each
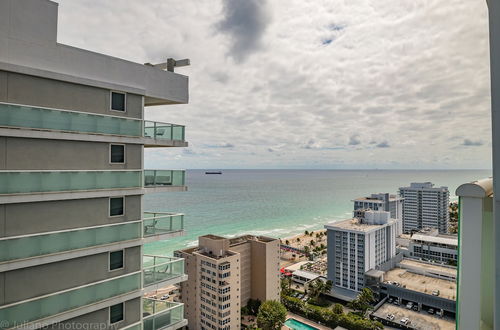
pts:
[425, 206]
[428, 244]
[224, 274]
[383, 202]
[357, 245]
[72, 223]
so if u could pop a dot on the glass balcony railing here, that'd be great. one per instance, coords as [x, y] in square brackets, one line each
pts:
[159, 314]
[21, 116]
[157, 223]
[18, 182]
[157, 269]
[63, 301]
[164, 131]
[160, 178]
[12, 115]
[28, 246]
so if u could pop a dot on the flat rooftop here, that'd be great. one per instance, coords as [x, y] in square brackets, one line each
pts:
[354, 224]
[419, 320]
[450, 271]
[421, 283]
[439, 239]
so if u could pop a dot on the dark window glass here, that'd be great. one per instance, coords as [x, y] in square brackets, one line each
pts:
[116, 313]
[117, 153]
[116, 206]
[116, 260]
[117, 101]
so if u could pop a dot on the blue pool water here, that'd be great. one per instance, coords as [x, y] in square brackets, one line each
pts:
[297, 325]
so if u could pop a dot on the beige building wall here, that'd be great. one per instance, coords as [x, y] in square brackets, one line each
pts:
[224, 274]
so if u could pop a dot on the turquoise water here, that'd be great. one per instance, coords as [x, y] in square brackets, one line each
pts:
[297, 325]
[280, 203]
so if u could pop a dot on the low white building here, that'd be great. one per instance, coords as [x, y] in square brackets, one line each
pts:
[357, 245]
[428, 244]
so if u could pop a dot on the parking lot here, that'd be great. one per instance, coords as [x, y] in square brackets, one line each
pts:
[419, 320]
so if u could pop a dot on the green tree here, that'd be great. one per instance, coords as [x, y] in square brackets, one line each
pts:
[271, 316]
[312, 243]
[338, 309]
[318, 287]
[287, 242]
[306, 233]
[286, 285]
[363, 301]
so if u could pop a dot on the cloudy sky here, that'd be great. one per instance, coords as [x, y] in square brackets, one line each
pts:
[309, 83]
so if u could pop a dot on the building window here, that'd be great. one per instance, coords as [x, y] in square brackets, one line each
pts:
[116, 313]
[116, 260]
[117, 154]
[118, 101]
[116, 206]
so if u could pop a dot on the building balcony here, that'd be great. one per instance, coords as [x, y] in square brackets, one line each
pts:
[162, 315]
[27, 121]
[86, 298]
[164, 180]
[160, 271]
[162, 225]
[23, 250]
[68, 183]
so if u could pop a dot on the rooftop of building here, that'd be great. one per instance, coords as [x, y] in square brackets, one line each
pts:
[356, 224]
[305, 274]
[424, 186]
[232, 242]
[440, 239]
[407, 278]
[419, 320]
[377, 198]
[31, 47]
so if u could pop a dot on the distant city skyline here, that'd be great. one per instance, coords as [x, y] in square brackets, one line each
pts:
[279, 84]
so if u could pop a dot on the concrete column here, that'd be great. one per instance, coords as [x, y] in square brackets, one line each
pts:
[494, 24]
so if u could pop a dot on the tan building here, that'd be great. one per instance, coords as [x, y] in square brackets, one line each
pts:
[224, 274]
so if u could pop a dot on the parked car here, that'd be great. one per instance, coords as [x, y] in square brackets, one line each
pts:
[430, 311]
[409, 305]
[165, 297]
[415, 308]
[390, 300]
[405, 321]
[439, 313]
[435, 293]
[390, 317]
[396, 302]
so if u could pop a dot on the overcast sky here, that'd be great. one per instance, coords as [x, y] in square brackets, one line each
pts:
[308, 83]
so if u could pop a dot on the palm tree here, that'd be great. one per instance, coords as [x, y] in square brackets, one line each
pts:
[318, 287]
[306, 233]
[287, 242]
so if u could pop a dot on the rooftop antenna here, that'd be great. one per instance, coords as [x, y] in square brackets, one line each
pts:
[170, 64]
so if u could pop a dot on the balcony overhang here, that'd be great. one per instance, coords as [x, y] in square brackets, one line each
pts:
[165, 283]
[28, 45]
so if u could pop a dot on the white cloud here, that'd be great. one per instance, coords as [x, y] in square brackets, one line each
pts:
[408, 73]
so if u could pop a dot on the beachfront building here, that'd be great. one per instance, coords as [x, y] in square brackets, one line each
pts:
[224, 274]
[356, 246]
[425, 206]
[72, 139]
[428, 244]
[384, 202]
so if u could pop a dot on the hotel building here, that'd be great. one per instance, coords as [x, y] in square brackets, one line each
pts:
[425, 206]
[357, 245]
[383, 202]
[224, 274]
[72, 180]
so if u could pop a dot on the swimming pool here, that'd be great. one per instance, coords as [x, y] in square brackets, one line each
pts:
[297, 325]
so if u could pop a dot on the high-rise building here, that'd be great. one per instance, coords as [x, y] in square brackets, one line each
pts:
[476, 265]
[384, 202]
[224, 274]
[357, 245]
[72, 139]
[425, 206]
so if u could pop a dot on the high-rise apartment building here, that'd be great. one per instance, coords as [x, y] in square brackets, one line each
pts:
[425, 206]
[384, 202]
[72, 139]
[357, 245]
[224, 274]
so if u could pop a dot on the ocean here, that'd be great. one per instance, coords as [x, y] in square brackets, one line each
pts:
[280, 203]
